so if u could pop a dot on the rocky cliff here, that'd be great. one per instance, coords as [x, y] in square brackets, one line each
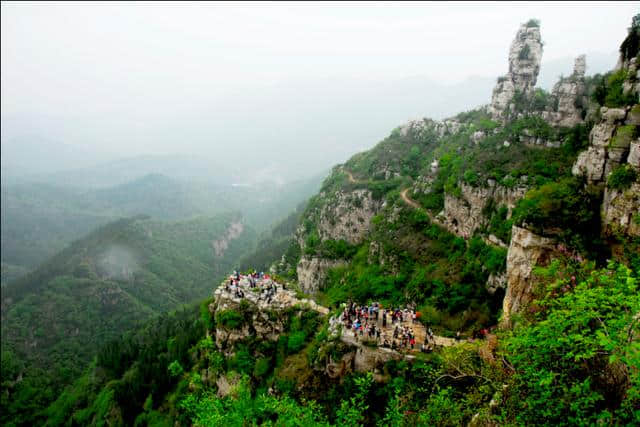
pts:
[610, 142]
[465, 214]
[614, 146]
[254, 314]
[312, 271]
[233, 232]
[347, 216]
[342, 215]
[526, 251]
[568, 98]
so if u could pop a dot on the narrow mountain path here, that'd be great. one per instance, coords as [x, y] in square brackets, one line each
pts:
[351, 178]
[409, 201]
[404, 195]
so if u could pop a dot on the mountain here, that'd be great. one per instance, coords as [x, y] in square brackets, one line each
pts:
[504, 242]
[39, 219]
[116, 277]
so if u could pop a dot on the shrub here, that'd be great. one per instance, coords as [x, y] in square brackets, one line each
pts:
[229, 319]
[566, 364]
[565, 208]
[615, 96]
[533, 23]
[623, 136]
[471, 178]
[338, 249]
[622, 177]
[175, 369]
[296, 342]
[261, 367]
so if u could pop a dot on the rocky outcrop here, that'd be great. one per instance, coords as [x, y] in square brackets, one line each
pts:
[525, 55]
[234, 230]
[347, 216]
[621, 210]
[464, 215]
[614, 142]
[495, 282]
[526, 251]
[420, 127]
[568, 97]
[262, 317]
[312, 271]
[610, 144]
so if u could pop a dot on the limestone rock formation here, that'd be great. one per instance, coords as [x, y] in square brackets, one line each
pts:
[347, 216]
[463, 215]
[621, 210]
[312, 271]
[495, 282]
[526, 251]
[263, 314]
[569, 97]
[233, 232]
[525, 55]
[611, 143]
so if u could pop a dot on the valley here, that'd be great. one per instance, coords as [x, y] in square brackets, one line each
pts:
[478, 270]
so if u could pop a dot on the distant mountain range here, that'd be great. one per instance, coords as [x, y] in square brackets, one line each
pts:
[279, 133]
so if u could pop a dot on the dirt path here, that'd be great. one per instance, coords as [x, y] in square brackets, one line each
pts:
[408, 200]
[351, 178]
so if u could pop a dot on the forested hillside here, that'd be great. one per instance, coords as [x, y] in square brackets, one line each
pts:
[481, 270]
[39, 219]
[56, 317]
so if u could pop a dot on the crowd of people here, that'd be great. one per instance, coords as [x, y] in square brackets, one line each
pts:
[239, 283]
[389, 328]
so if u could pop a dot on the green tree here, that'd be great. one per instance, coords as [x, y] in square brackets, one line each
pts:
[578, 364]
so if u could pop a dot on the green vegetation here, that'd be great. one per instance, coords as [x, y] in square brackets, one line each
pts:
[622, 177]
[583, 329]
[609, 91]
[533, 23]
[572, 361]
[571, 358]
[419, 262]
[40, 220]
[229, 319]
[566, 209]
[106, 283]
[631, 44]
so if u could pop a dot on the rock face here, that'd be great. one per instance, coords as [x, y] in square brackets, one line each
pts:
[347, 216]
[610, 144]
[621, 210]
[525, 55]
[220, 245]
[495, 282]
[262, 316]
[312, 271]
[463, 215]
[525, 252]
[613, 142]
[568, 95]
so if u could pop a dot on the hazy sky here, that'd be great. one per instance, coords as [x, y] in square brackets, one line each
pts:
[162, 78]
